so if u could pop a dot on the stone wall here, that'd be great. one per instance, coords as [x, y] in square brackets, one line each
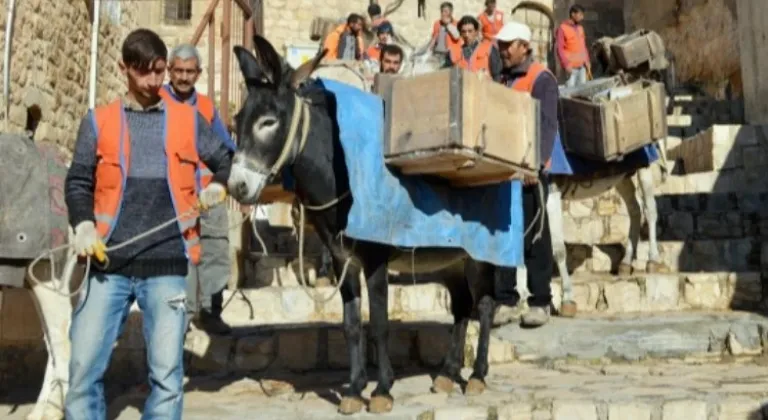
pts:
[50, 62]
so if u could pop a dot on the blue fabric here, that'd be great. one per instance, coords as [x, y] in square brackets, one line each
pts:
[216, 124]
[564, 163]
[408, 211]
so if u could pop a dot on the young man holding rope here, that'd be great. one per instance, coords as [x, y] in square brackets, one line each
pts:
[129, 174]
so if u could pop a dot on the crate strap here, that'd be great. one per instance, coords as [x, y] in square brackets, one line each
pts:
[618, 118]
[652, 106]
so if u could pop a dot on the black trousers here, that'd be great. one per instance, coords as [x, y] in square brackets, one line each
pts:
[538, 255]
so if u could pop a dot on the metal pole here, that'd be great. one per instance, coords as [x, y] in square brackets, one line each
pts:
[7, 65]
[94, 53]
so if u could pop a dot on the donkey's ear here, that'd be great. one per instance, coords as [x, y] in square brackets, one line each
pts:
[270, 59]
[249, 66]
[302, 73]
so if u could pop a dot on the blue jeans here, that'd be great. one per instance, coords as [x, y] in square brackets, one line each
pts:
[578, 77]
[96, 324]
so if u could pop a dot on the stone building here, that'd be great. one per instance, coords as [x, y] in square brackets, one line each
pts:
[50, 61]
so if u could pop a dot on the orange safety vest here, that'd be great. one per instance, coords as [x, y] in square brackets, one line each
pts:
[207, 109]
[575, 45]
[334, 38]
[490, 29]
[480, 62]
[525, 84]
[374, 52]
[449, 41]
[113, 151]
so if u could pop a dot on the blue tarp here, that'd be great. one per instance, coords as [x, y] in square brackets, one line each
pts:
[564, 163]
[408, 211]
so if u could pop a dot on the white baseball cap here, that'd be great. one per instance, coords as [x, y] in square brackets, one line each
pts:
[514, 30]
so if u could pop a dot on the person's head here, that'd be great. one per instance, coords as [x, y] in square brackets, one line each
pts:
[384, 32]
[184, 68]
[391, 59]
[468, 27]
[576, 13]
[490, 6]
[374, 11]
[446, 10]
[355, 23]
[514, 43]
[143, 63]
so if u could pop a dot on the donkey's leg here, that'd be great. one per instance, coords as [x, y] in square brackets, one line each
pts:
[555, 214]
[481, 286]
[375, 268]
[654, 265]
[626, 190]
[352, 402]
[461, 308]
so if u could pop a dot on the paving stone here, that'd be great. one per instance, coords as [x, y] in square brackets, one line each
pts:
[574, 410]
[684, 409]
[629, 411]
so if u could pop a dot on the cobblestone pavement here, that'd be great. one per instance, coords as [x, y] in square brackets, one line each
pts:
[560, 391]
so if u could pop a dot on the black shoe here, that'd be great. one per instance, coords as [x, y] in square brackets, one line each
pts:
[212, 324]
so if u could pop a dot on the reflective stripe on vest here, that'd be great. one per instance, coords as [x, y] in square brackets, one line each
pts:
[575, 44]
[490, 29]
[113, 157]
[525, 84]
[480, 61]
[207, 109]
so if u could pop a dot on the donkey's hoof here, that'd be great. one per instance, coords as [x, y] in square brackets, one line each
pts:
[381, 404]
[568, 309]
[443, 385]
[474, 387]
[351, 405]
[656, 267]
[625, 269]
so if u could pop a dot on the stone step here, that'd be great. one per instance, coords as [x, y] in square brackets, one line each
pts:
[713, 255]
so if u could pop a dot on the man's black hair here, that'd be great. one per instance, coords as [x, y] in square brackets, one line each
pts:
[392, 49]
[576, 8]
[374, 10]
[467, 20]
[141, 48]
[354, 17]
[447, 4]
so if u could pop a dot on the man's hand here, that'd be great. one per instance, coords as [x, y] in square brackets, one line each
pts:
[530, 180]
[88, 241]
[211, 195]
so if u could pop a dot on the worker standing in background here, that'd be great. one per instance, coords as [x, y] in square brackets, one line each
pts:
[208, 279]
[346, 41]
[476, 54]
[384, 37]
[571, 46]
[445, 34]
[491, 20]
[524, 74]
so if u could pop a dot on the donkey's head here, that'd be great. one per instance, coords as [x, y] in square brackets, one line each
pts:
[268, 123]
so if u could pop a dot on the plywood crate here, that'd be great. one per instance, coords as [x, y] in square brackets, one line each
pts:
[607, 129]
[637, 48]
[460, 126]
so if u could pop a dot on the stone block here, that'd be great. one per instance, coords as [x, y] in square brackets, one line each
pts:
[464, 413]
[745, 289]
[254, 353]
[515, 411]
[740, 408]
[706, 291]
[678, 225]
[623, 296]
[629, 411]
[573, 410]
[662, 292]
[720, 225]
[297, 350]
[684, 409]
[209, 353]
[583, 231]
[713, 149]
[19, 322]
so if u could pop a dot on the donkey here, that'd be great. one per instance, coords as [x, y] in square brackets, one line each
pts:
[283, 123]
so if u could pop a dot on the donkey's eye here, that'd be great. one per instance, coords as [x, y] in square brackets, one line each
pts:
[268, 122]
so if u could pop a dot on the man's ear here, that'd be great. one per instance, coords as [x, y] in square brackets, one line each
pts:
[123, 68]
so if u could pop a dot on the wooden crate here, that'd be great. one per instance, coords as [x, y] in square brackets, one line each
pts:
[460, 126]
[639, 47]
[274, 193]
[607, 130]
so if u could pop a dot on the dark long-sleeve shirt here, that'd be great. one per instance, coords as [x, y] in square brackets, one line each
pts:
[146, 199]
[545, 90]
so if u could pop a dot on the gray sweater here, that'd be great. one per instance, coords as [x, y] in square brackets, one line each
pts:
[147, 198]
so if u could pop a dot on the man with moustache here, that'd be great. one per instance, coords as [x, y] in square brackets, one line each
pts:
[207, 280]
[522, 73]
[391, 59]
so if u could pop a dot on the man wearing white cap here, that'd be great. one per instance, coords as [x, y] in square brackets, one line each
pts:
[522, 73]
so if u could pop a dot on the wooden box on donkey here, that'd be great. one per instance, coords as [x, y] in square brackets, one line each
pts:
[605, 119]
[460, 126]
